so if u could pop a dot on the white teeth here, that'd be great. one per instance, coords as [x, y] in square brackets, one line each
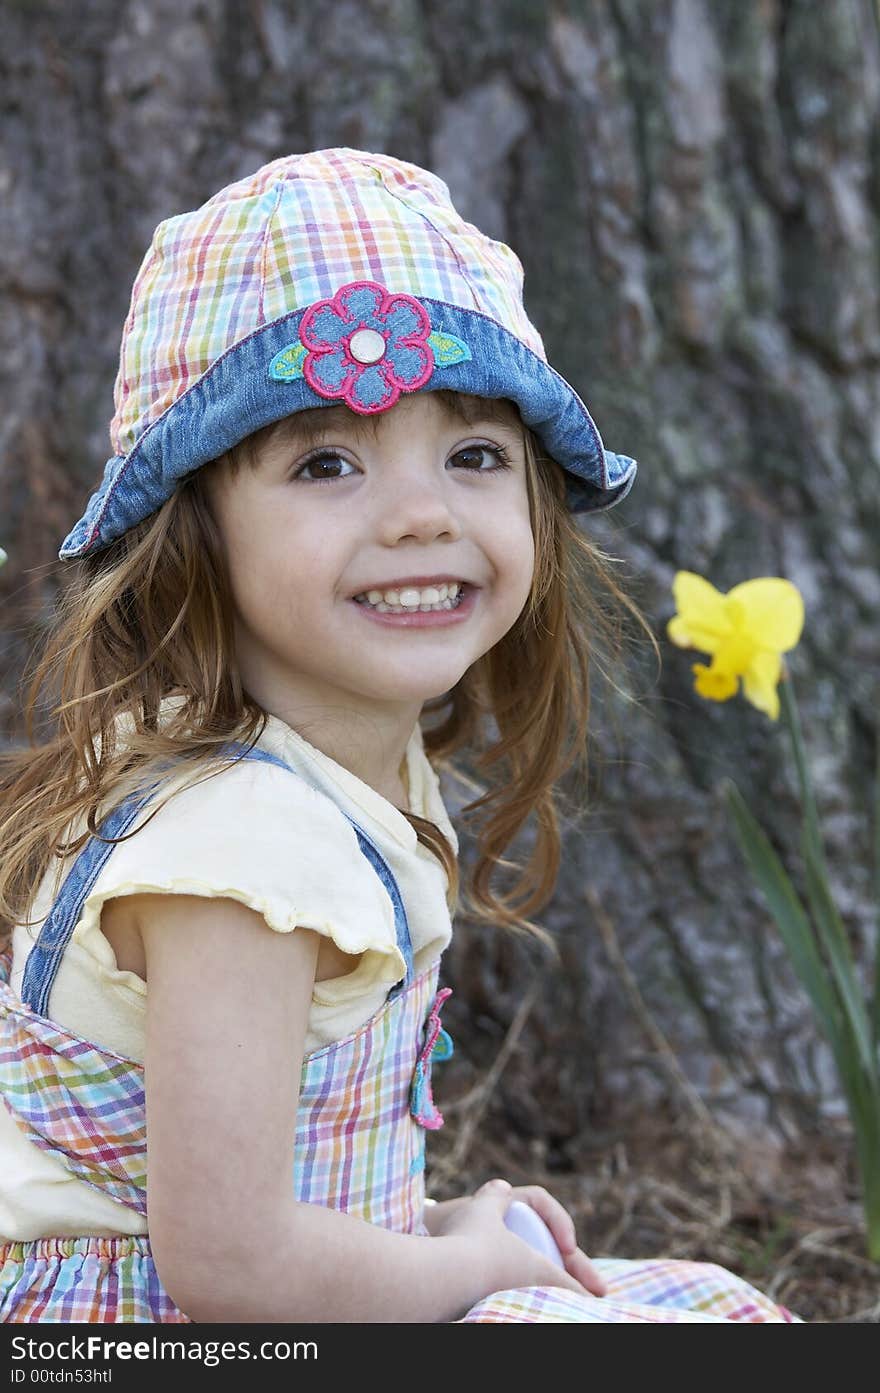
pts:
[411, 598]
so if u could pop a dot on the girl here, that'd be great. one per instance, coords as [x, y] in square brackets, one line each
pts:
[340, 496]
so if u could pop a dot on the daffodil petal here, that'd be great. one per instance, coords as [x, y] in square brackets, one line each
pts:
[773, 611]
[679, 633]
[760, 682]
[701, 612]
[735, 655]
[711, 683]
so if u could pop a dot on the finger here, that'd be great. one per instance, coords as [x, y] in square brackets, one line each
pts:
[569, 1283]
[578, 1265]
[498, 1190]
[554, 1214]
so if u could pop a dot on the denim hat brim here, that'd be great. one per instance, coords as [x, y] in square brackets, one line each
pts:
[237, 395]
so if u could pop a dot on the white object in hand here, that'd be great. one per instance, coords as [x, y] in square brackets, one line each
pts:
[522, 1220]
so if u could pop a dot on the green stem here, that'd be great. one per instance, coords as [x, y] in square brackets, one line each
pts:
[792, 718]
[843, 970]
[875, 1005]
[871, 1187]
[826, 915]
[865, 1116]
[861, 1078]
[794, 926]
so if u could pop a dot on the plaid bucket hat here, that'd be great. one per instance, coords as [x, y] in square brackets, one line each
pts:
[337, 276]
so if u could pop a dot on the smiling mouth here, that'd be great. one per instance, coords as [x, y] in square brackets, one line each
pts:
[455, 611]
[383, 607]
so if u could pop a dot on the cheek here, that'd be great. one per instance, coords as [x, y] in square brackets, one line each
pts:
[519, 560]
[519, 552]
[259, 593]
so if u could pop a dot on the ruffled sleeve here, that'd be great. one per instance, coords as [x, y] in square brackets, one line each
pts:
[263, 836]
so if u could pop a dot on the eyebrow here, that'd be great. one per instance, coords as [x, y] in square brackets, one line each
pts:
[309, 426]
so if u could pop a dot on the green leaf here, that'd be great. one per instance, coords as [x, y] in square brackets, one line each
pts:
[825, 913]
[836, 944]
[793, 721]
[286, 366]
[875, 1007]
[861, 1088]
[448, 348]
[786, 908]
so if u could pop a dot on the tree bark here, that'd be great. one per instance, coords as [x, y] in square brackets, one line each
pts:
[693, 189]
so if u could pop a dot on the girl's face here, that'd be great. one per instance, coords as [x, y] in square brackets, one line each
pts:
[401, 500]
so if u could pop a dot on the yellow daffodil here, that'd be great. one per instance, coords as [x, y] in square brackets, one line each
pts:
[745, 631]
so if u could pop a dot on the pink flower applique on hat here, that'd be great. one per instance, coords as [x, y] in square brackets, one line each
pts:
[365, 346]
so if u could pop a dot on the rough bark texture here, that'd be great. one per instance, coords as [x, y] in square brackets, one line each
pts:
[693, 189]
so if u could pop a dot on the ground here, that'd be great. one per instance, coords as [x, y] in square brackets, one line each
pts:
[675, 1187]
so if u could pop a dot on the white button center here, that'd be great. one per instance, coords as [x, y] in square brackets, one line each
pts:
[367, 346]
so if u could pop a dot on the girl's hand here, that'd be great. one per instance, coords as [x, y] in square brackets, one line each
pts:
[516, 1263]
[438, 1211]
[561, 1226]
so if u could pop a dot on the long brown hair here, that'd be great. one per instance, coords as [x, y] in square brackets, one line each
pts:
[151, 613]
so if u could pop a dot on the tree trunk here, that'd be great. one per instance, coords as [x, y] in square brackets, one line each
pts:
[693, 189]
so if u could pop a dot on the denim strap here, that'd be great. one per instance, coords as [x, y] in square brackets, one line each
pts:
[44, 958]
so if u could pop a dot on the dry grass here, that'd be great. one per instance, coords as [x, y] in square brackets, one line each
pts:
[676, 1184]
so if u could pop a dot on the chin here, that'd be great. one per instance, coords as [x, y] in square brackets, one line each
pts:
[419, 691]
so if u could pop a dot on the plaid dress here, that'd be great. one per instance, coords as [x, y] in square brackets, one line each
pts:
[365, 1108]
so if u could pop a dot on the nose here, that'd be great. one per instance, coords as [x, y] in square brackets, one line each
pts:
[416, 506]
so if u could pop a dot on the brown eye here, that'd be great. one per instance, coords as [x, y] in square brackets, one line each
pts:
[320, 463]
[472, 455]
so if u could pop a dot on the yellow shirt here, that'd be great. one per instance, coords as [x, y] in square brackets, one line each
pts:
[258, 835]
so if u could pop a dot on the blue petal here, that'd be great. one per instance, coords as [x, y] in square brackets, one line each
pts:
[362, 304]
[402, 320]
[371, 387]
[332, 370]
[408, 363]
[328, 327]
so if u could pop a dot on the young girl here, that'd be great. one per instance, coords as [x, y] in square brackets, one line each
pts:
[341, 496]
